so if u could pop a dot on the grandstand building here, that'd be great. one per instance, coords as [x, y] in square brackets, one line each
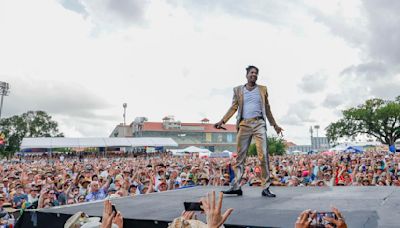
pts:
[202, 134]
[318, 144]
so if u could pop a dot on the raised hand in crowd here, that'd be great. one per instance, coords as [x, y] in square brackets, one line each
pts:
[188, 215]
[119, 220]
[110, 217]
[305, 219]
[212, 209]
[42, 197]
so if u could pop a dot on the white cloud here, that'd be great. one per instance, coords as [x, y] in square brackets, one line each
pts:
[333, 100]
[313, 83]
[369, 71]
[372, 29]
[78, 111]
[299, 113]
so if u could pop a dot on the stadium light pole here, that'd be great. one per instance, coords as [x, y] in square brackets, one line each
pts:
[124, 106]
[317, 139]
[317, 128]
[4, 91]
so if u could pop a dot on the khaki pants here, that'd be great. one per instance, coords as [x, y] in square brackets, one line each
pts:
[247, 130]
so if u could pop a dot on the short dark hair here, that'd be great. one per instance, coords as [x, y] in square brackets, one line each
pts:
[251, 67]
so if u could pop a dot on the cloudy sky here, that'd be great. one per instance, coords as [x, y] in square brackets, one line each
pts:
[80, 60]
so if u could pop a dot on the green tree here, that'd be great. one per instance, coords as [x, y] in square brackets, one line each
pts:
[252, 151]
[376, 118]
[29, 124]
[276, 146]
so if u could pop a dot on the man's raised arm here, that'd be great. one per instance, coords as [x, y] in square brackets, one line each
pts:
[231, 111]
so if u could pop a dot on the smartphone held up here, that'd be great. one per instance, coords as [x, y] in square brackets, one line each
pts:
[193, 206]
[321, 222]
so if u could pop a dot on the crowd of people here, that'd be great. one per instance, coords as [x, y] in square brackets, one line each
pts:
[38, 181]
[61, 179]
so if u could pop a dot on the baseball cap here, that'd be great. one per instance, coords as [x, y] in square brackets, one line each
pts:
[132, 186]
[255, 180]
[111, 189]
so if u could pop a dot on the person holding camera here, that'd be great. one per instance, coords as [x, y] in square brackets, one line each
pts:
[251, 102]
[308, 219]
[47, 198]
[211, 207]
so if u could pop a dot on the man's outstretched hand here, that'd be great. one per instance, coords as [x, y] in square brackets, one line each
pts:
[219, 125]
[278, 129]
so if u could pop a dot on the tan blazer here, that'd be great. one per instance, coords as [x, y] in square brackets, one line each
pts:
[237, 105]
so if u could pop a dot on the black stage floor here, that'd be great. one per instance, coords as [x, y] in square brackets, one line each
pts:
[361, 206]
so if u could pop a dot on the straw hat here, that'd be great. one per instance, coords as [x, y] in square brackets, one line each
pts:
[8, 208]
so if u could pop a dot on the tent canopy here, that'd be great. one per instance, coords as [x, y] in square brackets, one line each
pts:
[60, 142]
[190, 150]
[354, 149]
[221, 155]
[194, 149]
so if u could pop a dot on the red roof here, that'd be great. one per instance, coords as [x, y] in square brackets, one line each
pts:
[158, 126]
[289, 144]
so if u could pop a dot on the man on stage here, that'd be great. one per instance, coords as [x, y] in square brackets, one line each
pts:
[251, 102]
